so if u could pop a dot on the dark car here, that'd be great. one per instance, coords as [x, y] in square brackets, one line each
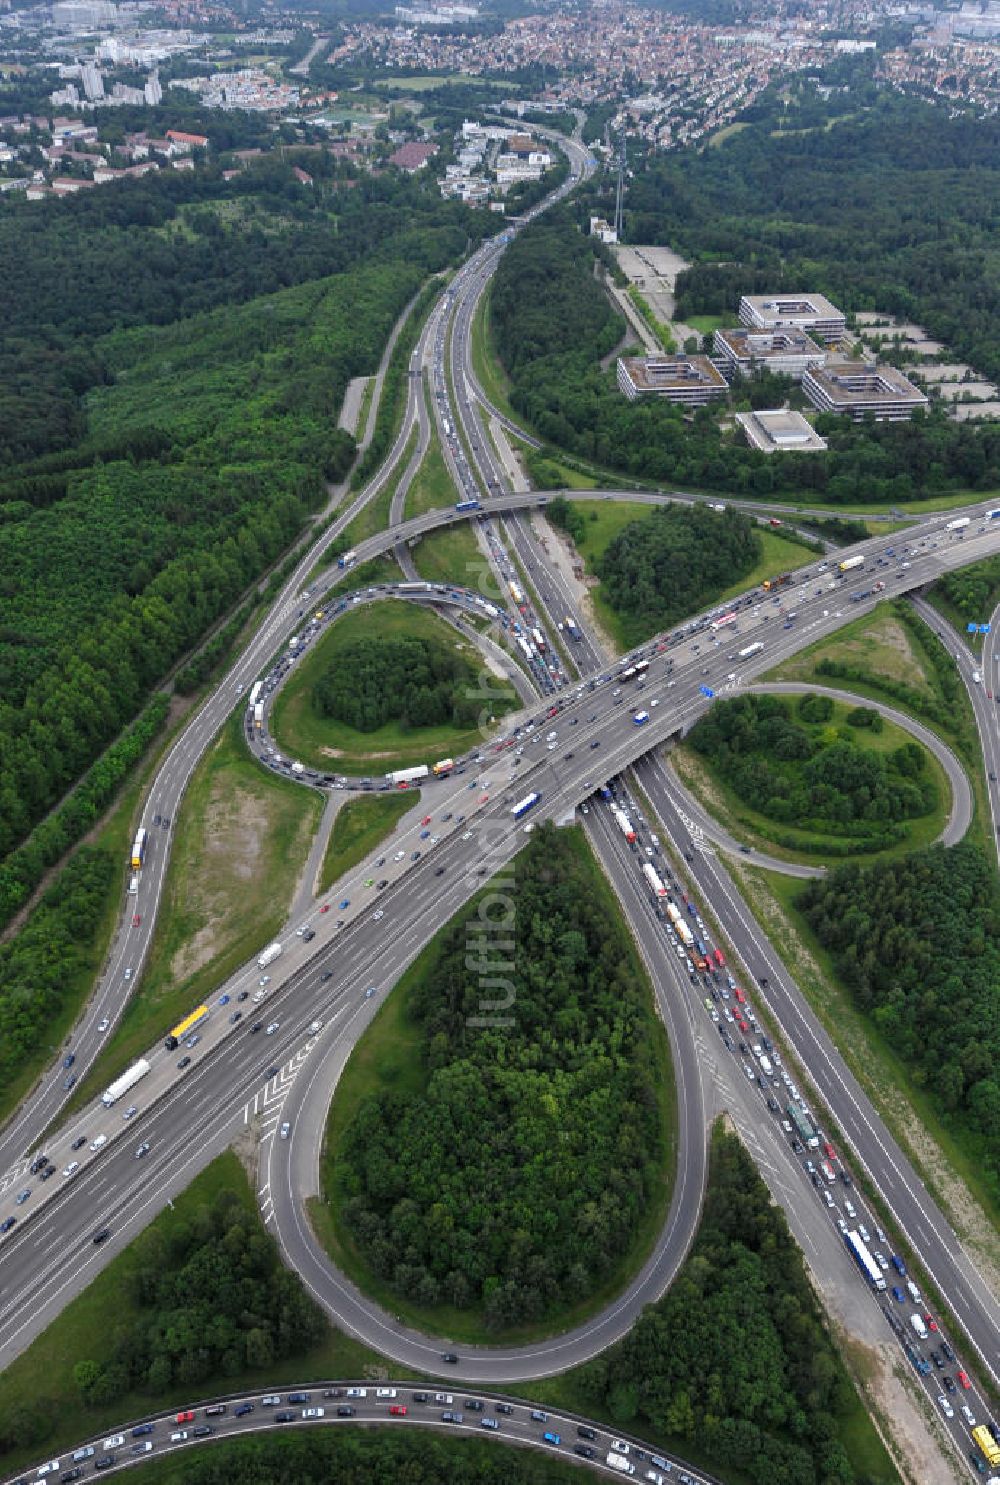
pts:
[243, 1410]
[449, 1357]
[345, 1411]
[79, 1143]
[184, 1062]
[284, 1417]
[101, 1235]
[586, 1433]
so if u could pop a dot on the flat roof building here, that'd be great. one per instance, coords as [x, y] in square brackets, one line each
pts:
[810, 312]
[787, 352]
[780, 432]
[691, 380]
[857, 388]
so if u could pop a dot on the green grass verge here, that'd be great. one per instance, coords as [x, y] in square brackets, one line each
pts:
[240, 839]
[360, 825]
[300, 730]
[432, 487]
[42, 1377]
[486, 364]
[883, 644]
[939, 1155]
[452, 555]
[390, 1056]
[708, 324]
[754, 828]
[375, 516]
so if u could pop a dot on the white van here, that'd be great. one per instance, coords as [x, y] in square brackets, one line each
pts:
[917, 1321]
[133, 885]
[914, 1292]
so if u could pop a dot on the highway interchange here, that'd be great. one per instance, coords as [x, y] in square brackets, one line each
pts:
[231, 1068]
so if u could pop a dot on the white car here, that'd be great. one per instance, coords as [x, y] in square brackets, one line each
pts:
[945, 1406]
[114, 1442]
[96, 1144]
[179, 1436]
[264, 980]
[618, 1446]
[72, 1168]
[314, 1412]
[285, 1128]
[357, 1392]
[378, 916]
[444, 1398]
[385, 1392]
[131, 1111]
[399, 856]
[128, 973]
[272, 1028]
[103, 1023]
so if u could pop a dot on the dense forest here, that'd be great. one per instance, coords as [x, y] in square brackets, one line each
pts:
[512, 1182]
[673, 562]
[560, 389]
[917, 944]
[403, 678]
[42, 966]
[735, 1358]
[194, 450]
[785, 760]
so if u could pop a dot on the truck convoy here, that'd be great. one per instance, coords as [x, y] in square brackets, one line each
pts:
[269, 955]
[125, 1082]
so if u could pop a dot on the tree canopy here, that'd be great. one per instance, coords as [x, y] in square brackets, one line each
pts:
[915, 941]
[410, 679]
[511, 1181]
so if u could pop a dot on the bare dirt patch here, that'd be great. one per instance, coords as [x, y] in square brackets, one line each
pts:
[919, 1447]
[234, 826]
[884, 648]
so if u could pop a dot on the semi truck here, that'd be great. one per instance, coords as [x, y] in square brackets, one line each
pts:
[258, 715]
[347, 559]
[864, 1260]
[139, 848]
[402, 777]
[769, 584]
[539, 639]
[619, 1464]
[516, 594]
[985, 1441]
[269, 955]
[127, 1080]
[255, 691]
[571, 628]
[749, 650]
[443, 766]
[958, 524]
[624, 824]
[849, 563]
[652, 877]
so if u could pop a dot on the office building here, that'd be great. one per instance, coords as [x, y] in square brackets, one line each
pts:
[860, 388]
[809, 312]
[780, 432]
[689, 380]
[788, 352]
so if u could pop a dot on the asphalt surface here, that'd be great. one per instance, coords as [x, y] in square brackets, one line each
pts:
[416, 1407]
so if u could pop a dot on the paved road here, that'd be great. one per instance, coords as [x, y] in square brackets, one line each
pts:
[518, 1422]
[224, 1070]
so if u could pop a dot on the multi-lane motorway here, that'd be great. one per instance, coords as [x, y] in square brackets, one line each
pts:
[186, 1115]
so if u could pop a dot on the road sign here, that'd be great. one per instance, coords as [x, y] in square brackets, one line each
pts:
[984, 628]
[706, 690]
[972, 628]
